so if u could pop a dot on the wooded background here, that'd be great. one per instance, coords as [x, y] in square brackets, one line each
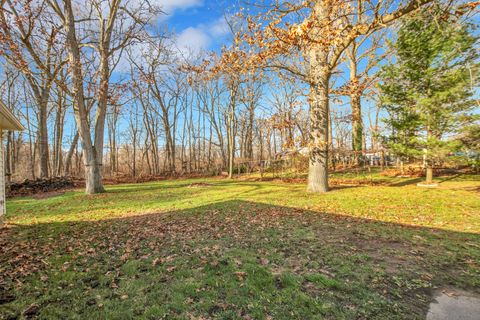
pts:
[103, 90]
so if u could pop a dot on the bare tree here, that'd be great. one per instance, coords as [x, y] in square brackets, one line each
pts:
[109, 27]
[30, 42]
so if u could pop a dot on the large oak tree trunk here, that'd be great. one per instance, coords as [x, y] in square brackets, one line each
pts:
[319, 78]
[319, 111]
[318, 158]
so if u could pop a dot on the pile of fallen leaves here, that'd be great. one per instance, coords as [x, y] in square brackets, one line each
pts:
[31, 187]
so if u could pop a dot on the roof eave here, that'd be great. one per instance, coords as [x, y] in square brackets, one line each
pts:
[12, 122]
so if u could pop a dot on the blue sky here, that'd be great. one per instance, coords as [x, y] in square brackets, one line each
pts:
[199, 24]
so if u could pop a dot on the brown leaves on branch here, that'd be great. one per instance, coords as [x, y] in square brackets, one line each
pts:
[466, 8]
[285, 30]
[352, 87]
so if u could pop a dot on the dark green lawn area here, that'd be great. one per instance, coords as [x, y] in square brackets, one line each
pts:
[240, 250]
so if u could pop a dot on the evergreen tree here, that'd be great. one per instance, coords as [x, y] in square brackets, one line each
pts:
[427, 91]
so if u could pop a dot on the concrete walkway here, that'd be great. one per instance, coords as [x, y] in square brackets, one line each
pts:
[454, 305]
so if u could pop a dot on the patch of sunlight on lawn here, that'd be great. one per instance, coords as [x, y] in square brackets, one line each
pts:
[453, 206]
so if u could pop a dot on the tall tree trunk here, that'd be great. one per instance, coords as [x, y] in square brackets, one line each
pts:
[31, 148]
[231, 133]
[112, 140]
[209, 154]
[249, 137]
[68, 159]
[355, 103]
[17, 144]
[43, 138]
[59, 123]
[357, 126]
[319, 112]
[320, 69]
[170, 149]
[134, 164]
[191, 151]
[113, 155]
[92, 152]
[7, 158]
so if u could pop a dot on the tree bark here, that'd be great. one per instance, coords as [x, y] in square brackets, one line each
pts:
[59, 123]
[319, 78]
[7, 158]
[319, 111]
[231, 137]
[429, 174]
[43, 139]
[68, 159]
[357, 126]
[318, 157]
[92, 157]
[249, 133]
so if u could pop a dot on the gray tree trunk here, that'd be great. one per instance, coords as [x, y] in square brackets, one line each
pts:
[318, 158]
[43, 139]
[357, 126]
[319, 76]
[68, 158]
[91, 156]
[319, 110]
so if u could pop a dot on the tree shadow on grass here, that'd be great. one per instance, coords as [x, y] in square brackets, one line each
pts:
[231, 258]
[159, 186]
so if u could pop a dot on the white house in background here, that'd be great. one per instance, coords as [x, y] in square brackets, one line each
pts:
[10, 123]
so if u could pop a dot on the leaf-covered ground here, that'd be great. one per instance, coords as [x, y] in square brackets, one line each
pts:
[219, 249]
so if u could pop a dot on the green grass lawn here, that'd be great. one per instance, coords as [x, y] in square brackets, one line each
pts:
[240, 250]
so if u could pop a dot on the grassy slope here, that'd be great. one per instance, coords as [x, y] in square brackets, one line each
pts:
[239, 249]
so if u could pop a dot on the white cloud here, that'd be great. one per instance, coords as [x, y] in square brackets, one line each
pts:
[138, 50]
[199, 38]
[193, 39]
[170, 6]
[219, 27]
